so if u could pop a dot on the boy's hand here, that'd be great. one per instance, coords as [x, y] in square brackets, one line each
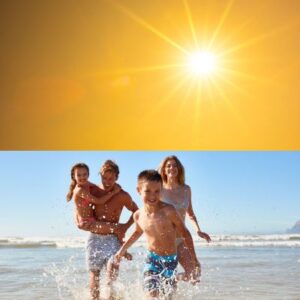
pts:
[182, 276]
[196, 273]
[197, 264]
[128, 256]
[195, 276]
[117, 258]
[204, 236]
[113, 262]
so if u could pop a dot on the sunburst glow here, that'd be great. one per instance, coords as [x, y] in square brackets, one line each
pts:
[202, 63]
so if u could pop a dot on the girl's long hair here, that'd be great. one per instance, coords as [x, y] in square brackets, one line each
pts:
[181, 175]
[73, 181]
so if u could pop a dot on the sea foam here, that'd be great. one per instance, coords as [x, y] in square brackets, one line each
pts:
[275, 240]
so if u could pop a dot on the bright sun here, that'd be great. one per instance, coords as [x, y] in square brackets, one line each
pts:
[201, 63]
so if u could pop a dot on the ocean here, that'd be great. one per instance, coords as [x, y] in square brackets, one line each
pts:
[233, 267]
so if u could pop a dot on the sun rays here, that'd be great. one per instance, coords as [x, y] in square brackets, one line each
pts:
[206, 71]
[148, 26]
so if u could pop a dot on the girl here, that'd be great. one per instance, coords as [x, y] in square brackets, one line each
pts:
[178, 194]
[80, 190]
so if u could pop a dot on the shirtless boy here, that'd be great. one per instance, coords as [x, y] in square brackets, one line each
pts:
[100, 247]
[160, 223]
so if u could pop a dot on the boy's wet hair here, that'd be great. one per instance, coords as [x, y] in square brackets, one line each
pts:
[149, 175]
[110, 166]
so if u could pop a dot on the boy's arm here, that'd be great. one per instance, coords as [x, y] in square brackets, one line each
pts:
[83, 193]
[193, 219]
[132, 239]
[182, 230]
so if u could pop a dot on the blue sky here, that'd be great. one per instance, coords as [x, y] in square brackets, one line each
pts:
[232, 192]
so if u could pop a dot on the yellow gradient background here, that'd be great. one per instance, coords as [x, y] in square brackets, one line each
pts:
[111, 75]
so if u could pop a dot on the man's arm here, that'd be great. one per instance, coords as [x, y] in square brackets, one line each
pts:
[131, 206]
[193, 218]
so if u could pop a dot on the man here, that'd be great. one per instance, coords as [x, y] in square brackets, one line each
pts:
[100, 247]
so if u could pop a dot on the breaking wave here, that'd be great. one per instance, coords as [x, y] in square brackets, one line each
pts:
[275, 240]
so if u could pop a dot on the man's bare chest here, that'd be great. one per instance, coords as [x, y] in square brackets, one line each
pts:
[108, 211]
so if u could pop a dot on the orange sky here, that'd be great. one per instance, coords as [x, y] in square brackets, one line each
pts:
[110, 75]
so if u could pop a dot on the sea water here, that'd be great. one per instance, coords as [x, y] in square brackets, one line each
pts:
[233, 267]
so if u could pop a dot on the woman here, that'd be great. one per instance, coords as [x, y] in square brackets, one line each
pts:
[178, 194]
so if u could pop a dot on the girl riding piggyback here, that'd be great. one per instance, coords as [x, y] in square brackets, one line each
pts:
[80, 190]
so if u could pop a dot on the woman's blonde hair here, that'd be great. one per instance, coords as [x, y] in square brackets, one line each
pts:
[181, 174]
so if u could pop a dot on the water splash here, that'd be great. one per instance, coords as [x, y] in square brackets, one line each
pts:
[69, 279]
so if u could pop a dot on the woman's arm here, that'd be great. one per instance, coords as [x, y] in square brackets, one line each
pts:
[193, 219]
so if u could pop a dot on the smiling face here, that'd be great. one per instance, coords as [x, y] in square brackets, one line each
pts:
[81, 175]
[171, 169]
[150, 192]
[108, 179]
